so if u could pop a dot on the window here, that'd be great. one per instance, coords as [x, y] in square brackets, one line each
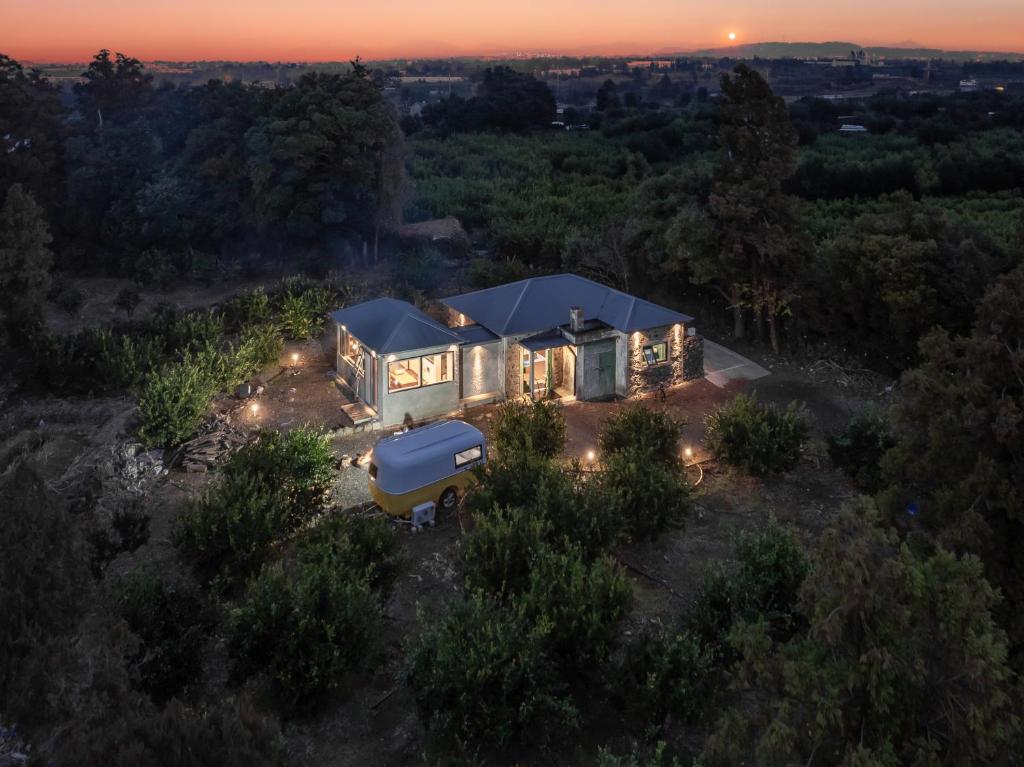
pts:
[438, 368]
[655, 353]
[404, 374]
[421, 371]
[351, 347]
[468, 456]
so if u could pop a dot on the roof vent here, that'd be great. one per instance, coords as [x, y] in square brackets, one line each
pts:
[575, 319]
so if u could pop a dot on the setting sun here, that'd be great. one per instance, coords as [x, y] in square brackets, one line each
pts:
[732, 35]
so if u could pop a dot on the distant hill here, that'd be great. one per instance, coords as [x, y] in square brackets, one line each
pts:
[839, 49]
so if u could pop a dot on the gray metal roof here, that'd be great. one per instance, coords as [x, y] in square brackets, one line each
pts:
[542, 303]
[475, 334]
[389, 326]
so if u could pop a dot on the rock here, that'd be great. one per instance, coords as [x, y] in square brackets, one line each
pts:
[244, 390]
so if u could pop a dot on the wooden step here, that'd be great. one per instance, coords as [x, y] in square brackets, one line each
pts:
[359, 412]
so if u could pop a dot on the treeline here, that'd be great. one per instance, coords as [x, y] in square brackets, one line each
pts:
[871, 240]
[159, 183]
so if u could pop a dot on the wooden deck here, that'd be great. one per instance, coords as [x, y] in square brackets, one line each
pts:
[359, 412]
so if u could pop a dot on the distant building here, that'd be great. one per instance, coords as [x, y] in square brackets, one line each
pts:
[968, 86]
[659, 64]
[852, 128]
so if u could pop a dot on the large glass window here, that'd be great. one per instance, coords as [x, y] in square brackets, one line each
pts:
[655, 353]
[404, 374]
[438, 368]
[421, 371]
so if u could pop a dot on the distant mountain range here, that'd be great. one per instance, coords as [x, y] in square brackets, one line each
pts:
[839, 49]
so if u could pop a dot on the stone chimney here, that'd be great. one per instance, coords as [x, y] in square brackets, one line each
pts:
[575, 319]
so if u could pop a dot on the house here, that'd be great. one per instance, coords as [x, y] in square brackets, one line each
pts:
[555, 336]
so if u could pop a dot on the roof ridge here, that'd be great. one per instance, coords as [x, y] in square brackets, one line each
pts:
[515, 306]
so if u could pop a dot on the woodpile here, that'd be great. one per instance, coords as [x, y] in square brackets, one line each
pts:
[218, 438]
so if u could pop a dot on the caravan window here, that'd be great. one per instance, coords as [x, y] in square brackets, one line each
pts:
[474, 453]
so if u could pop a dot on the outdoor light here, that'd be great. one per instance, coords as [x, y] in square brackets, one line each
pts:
[590, 456]
[688, 452]
[295, 358]
[254, 408]
[391, 358]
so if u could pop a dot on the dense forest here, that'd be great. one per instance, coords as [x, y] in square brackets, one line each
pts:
[895, 638]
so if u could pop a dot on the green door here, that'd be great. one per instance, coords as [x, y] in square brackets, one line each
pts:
[606, 373]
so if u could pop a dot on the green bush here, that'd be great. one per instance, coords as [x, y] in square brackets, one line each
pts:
[664, 674]
[249, 308]
[655, 758]
[93, 361]
[645, 495]
[758, 438]
[188, 331]
[638, 429]
[128, 530]
[304, 628]
[481, 676]
[172, 622]
[497, 554]
[765, 587]
[581, 603]
[532, 427]
[859, 448]
[266, 490]
[175, 397]
[258, 346]
[365, 545]
[302, 308]
[545, 488]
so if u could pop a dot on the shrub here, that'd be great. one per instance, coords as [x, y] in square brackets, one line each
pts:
[664, 674]
[258, 346]
[480, 675]
[305, 629]
[497, 554]
[859, 448]
[544, 488]
[43, 576]
[639, 430]
[172, 621]
[70, 299]
[302, 308]
[249, 308]
[190, 331]
[175, 397]
[532, 427]
[758, 438]
[266, 490]
[93, 361]
[645, 495]
[765, 587]
[364, 545]
[582, 603]
[656, 758]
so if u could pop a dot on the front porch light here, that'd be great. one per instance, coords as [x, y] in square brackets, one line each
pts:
[391, 358]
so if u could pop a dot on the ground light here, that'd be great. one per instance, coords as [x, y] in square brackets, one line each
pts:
[590, 456]
[254, 408]
[295, 358]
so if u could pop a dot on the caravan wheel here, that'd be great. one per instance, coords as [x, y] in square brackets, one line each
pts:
[449, 499]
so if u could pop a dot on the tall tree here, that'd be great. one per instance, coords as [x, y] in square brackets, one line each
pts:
[902, 663]
[31, 132]
[957, 472]
[25, 257]
[114, 89]
[750, 247]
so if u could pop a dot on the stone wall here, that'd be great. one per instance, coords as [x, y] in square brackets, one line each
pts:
[644, 378]
[693, 358]
[513, 370]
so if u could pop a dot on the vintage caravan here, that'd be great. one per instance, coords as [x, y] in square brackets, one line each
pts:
[431, 463]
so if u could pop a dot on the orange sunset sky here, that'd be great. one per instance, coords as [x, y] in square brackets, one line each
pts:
[72, 30]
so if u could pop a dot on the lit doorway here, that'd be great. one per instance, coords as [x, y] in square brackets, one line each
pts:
[536, 368]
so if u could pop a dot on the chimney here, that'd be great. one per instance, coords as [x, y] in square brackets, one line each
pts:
[575, 319]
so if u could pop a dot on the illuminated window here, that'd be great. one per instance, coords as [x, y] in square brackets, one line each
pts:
[468, 456]
[352, 348]
[655, 353]
[404, 374]
[438, 368]
[421, 371]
